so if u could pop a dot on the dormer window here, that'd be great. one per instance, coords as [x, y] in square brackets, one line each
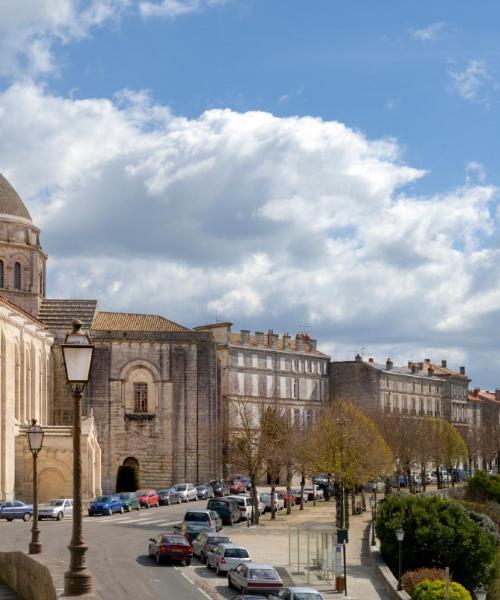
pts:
[17, 276]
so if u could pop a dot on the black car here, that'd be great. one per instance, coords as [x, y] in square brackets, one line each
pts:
[228, 509]
[204, 491]
[220, 487]
[168, 496]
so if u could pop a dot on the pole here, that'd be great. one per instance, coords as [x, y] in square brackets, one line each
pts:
[289, 545]
[35, 546]
[373, 526]
[400, 581]
[446, 582]
[78, 579]
[345, 572]
[308, 564]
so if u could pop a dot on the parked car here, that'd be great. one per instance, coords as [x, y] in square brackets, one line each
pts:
[236, 486]
[293, 498]
[378, 484]
[279, 503]
[220, 487]
[226, 556]
[205, 542]
[129, 500]
[246, 481]
[297, 492]
[249, 597]
[321, 478]
[168, 496]
[227, 508]
[56, 509]
[245, 505]
[191, 530]
[297, 593]
[105, 505]
[148, 497]
[16, 509]
[170, 546]
[204, 518]
[204, 491]
[186, 491]
[250, 577]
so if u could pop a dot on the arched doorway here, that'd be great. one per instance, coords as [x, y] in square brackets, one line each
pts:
[128, 475]
[131, 462]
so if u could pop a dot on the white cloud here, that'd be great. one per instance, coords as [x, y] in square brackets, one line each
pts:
[475, 171]
[265, 221]
[429, 33]
[175, 8]
[473, 82]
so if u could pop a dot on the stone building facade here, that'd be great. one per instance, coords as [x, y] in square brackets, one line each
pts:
[263, 368]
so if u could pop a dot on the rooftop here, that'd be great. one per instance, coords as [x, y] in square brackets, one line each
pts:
[119, 321]
[10, 202]
[59, 314]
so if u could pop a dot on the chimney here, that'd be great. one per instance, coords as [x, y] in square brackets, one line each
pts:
[286, 340]
[427, 360]
[245, 336]
[313, 344]
[497, 394]
[476, 391]
[388, 364]
[272, 339]
[414, 368]
[443, 364]
[371, 360]
[299, 342]
[462, 370]
[410, 363]
[430, 371]
[259, 338]
[420, 366]
[358, 358]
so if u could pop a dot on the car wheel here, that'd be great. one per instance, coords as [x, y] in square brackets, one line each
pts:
[157, 504]
[179, 500]
[231, 520]
[122, 510]
[168, 502]
[217, 569]
[59, 516]
[187, 562]
[9, 519]
[26, 517]
[203, 558]
[230, 583]
[110, 512]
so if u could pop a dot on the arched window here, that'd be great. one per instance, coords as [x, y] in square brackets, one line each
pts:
[140, 397]
[17, 276]
[1, 273]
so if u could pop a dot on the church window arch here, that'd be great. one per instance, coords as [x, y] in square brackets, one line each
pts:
[141, 391]
[17, 275]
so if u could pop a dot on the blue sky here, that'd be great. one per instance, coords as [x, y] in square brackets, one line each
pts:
[273, 163]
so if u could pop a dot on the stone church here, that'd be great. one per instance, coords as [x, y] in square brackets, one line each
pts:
[153, 399]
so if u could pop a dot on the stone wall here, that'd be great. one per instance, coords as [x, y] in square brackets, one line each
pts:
[355, 382]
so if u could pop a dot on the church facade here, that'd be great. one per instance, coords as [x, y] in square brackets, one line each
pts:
[153, 400]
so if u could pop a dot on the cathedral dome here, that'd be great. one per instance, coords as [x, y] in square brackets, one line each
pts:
[10, 202]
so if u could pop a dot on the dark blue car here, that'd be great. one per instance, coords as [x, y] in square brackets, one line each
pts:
[106, 505]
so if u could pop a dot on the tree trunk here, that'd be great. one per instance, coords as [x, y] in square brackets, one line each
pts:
[353, 502]
[339, 509]
[288, 492]
[273, 504]
[302, 486]
[255, 504]
[422, 476]
[346, 508]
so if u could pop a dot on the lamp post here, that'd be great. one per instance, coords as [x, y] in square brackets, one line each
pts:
[35, 441]
[373, 504]
[481, 593]
[77, 354]
[400, 534]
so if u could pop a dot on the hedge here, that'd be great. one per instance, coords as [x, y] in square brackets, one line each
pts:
[435, 590]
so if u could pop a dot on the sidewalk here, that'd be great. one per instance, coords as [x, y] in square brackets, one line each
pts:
[275, 542]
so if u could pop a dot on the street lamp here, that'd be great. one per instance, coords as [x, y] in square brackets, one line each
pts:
[35, 441]
[481, 593]
[77, 355]
[373, 504]
[400, 534]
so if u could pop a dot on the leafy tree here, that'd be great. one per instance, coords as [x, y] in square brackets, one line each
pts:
[483, 487]
[435, 590]
[438, 533]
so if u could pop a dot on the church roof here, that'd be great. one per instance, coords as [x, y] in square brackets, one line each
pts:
[59, 314]
[118, 321]
[10, 202]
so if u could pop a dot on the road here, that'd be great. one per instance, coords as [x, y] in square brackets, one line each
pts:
[117, 554]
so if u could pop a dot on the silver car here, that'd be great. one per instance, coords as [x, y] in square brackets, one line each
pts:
[56, 509]
[297, 593]
[226, 556]
[186, 491]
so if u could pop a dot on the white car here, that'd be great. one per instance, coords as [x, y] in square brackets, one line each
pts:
[56, 509]
[296, 593]
[226, 556]
[245, 505]
[279, 502]
[316, 491]
[186, 491]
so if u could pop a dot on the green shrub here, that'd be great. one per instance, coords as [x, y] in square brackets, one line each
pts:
[127, 479]
[435, 590]
[412, 578]
[438, 533]
[492, 509]
[482, 487]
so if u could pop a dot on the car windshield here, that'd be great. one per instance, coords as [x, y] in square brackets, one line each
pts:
[141, 493]
[180, 487]
[164, 491]
[201, 487]
[103, 499]
[218, 540]
[236, 553]
[218, 504]
[197, 517]
[56, 502]
[179, 540]
[265, 495]
[307, 596]
[239, 501]
[268, 574]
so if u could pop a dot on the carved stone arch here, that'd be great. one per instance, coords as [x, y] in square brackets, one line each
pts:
[141, 387]
[145, 364]
[55, 482]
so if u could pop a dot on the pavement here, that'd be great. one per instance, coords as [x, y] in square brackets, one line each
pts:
[7, 594]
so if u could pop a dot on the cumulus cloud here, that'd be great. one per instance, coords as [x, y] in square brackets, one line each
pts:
[266, 221]
[431, 32]
[473, 82]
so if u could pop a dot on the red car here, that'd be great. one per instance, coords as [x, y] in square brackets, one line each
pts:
[293, 499]
[148, 497]
[170, 546]
[237, 487]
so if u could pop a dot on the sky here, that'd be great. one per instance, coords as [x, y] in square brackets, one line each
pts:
[330, 166]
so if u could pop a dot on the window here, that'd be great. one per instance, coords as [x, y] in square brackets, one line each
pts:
[241, 360]
[140, 397]
[270, 381]
[296, 417]
[269, 361]
[296, 389]
[308, 366]
[255, 361]
[1, 273]
[295, 364]
[255, 384]
[17, 276]
[282, 364]
[241, 383]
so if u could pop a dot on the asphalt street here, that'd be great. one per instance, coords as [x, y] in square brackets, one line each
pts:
[117, 554]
